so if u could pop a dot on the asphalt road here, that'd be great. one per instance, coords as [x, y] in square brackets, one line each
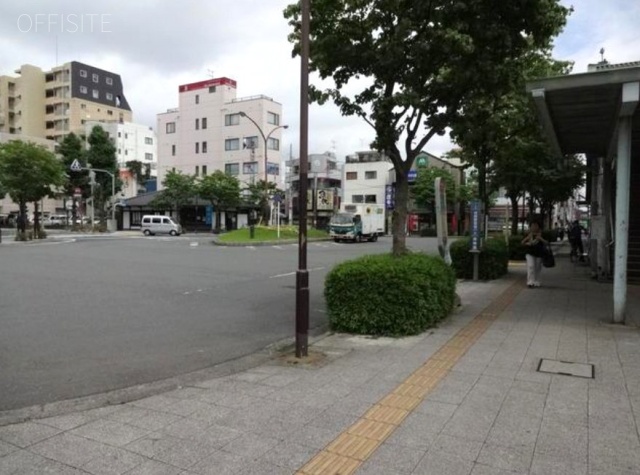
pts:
[97, 314]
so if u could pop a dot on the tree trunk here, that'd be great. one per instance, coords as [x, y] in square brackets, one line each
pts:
[36, 221]
[514, 214]
[399, 224]
[218, 219]
[22, 221]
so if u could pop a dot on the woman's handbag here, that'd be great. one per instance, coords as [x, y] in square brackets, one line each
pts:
[548, 259]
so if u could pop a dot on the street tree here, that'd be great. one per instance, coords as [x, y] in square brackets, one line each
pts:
[499, 130]
[424, 192]
[407, 66]
[177, 191]
[102, 155]
[259, 194]
[70, 149]
[554, 181]
[221, 190]
[29, 173]
[139, 171]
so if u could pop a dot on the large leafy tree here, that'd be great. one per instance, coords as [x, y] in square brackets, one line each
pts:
[500, 133]
[221, 190]
[29, 173]
[70, 149]
[407, 66]
[177, 191]
[102, 155]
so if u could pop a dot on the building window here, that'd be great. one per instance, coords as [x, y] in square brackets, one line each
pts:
[119, 134]
[109, 81]
[109, 96]
[232, 169]
[197, 147]
[204, 122]
[273, 144]
[95, 77]
[173, 150]
[148, 156]
[273, 118]
[197, 124]
[148, 141]
[83, 89]
[232, 119]
[126, 152]
[357, 199]
[371, 175]
[197, 98]
[370, 199]
[197, 170]
[95, 93]
[273, 169]
[171, 127]
[204, 170]
[232, 144]
[83, 106]
[126, 136]
[352, 176]
[204, 147]
[83, 73]
[212, 89]
[249, 168]
[109, 112]
[250, 142]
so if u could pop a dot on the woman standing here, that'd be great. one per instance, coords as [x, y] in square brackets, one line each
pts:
[535, 248]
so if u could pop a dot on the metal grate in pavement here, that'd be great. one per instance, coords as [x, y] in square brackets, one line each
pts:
[566, 368]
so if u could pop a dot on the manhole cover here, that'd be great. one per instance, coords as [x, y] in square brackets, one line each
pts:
[566, 368]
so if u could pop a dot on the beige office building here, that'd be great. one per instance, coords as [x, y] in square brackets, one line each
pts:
[51, 104]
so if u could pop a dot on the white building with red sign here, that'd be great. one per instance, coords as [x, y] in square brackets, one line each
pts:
[213, 129]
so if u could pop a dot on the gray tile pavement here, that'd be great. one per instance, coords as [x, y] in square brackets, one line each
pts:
[492, 414]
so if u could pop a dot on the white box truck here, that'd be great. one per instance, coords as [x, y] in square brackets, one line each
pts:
[357, 222]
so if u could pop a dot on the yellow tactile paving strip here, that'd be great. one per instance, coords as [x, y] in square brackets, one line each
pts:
[345, 454]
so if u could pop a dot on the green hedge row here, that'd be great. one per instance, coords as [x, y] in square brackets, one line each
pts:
[494, 258]
[383, 295]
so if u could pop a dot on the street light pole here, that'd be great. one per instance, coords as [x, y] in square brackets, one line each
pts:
[265, 139]
[302, 274]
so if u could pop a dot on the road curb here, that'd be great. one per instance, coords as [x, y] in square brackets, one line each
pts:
[216, 242]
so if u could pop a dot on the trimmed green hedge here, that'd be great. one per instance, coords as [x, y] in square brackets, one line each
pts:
[494, 259]
[383, 295]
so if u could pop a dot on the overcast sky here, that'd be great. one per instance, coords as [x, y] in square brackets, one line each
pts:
[156, 45]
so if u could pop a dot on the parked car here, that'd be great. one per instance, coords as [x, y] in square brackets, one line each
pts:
[151, 225]
[55, 220]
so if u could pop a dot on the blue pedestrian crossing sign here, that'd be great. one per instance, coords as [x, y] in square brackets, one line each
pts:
[76, 166]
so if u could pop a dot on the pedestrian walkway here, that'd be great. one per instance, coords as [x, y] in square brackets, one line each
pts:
[465, 398]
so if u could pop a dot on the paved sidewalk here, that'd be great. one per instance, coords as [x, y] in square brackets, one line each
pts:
[465, 398]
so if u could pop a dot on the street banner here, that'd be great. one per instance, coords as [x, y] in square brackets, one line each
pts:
[476, 225]
[441, 220]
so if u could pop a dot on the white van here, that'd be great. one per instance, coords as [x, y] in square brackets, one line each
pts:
[160, 225]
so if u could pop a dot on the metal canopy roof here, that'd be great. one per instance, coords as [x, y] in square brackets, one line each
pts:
[579, 112]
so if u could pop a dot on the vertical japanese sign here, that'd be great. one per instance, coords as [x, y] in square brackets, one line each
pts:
[389, 196]
[476, 225]
[441, 219]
